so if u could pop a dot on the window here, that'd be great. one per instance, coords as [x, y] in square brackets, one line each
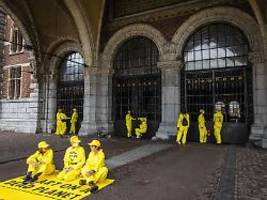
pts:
[234, 110]
[216, 46]
[14, 83]
[16, 41]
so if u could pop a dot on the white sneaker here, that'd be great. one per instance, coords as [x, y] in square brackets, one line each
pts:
[178, 142]
[138, 137]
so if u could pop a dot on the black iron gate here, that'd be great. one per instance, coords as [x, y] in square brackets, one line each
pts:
[137, 85]
[70, 93]
[217, 74]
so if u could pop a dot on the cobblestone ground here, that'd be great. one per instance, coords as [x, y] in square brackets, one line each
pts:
[251, 174]
[208, 192]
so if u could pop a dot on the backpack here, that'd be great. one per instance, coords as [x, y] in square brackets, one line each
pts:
[184, 122]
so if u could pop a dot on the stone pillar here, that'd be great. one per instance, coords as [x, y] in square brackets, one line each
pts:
[50, 107]
[104, 100]
[259, 96]
[88, 125]
[170, 99]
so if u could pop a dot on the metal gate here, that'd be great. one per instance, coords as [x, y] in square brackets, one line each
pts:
[70, 91]
[137, 85]
[217, 74]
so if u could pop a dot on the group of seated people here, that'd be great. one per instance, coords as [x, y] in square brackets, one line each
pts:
[92, 171]
[140, 131]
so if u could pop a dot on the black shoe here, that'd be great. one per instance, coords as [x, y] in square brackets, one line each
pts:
[35, 177]
[93, 187]
[82, 182]
[27, 178]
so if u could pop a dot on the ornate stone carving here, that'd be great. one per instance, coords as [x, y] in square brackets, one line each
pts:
[170, 65]
[256, 57]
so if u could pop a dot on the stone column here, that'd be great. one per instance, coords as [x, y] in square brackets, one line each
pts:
[259, 96]
[104, 100]
[50, 107]
[170, 99]
[88, 125]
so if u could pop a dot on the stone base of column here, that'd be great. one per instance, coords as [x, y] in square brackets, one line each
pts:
[257, 132]
[88, 128]
[49, 126]
[166, 130]
[106, 127]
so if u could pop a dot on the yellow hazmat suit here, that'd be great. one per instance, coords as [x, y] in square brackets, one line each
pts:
[202, 128]
[95, 165]
[218, 120]
[142, 128]
[61, 124]
[73, 121]
[182, 132]
[74, 160]
[129, 124]
[42, 163]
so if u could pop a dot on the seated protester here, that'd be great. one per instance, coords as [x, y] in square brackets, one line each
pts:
[40, 163]
[95, 169]
[74, 160]
[142, 128]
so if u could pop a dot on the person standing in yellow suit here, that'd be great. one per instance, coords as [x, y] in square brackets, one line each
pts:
[40, 163]
[129, 123]
[182, 126]
[202, 127]
[142, 128]
[218, 121]
[61, 123]
[74, 160]
[73, 121]
[95, 169]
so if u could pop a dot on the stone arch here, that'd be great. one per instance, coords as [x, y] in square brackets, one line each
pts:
[228, 15]
[128, 32]
[60, 49]
[84, 29]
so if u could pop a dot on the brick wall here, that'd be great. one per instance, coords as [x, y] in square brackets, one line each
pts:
[15, 59]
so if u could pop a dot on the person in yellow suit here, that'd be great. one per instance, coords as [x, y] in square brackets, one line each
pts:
[129, 124]
[61, 123]
[74, 160]
[202, 127]
[218, 121]
[73, 121]
[183, 123]
[95, 169]
[40, 163]
[142, 128]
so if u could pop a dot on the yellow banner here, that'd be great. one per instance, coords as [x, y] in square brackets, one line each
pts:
[46, 188]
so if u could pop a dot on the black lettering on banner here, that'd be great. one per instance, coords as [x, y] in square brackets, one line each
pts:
[40, 189]
[51, 192]
[70, 186]
[85, 190]
[62, 194]
[76, 195]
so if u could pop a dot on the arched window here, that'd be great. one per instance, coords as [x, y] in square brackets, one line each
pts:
[72, 68]
[71, 84]
[216, 46]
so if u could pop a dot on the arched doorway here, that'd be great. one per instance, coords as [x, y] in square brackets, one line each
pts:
[137, 84]
[70, 91]
[217, 74]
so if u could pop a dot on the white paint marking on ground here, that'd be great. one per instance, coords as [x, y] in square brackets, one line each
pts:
[135, 154]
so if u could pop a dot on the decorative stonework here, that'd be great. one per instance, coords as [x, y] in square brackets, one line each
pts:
[219, 14]
[256, 57]
[170, 65]
[129, 32]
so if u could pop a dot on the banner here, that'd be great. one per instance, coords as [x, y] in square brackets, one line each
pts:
[46, 188]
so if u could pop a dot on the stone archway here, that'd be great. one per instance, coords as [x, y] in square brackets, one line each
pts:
[109, 53]
[49, 82]
[251, 30]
